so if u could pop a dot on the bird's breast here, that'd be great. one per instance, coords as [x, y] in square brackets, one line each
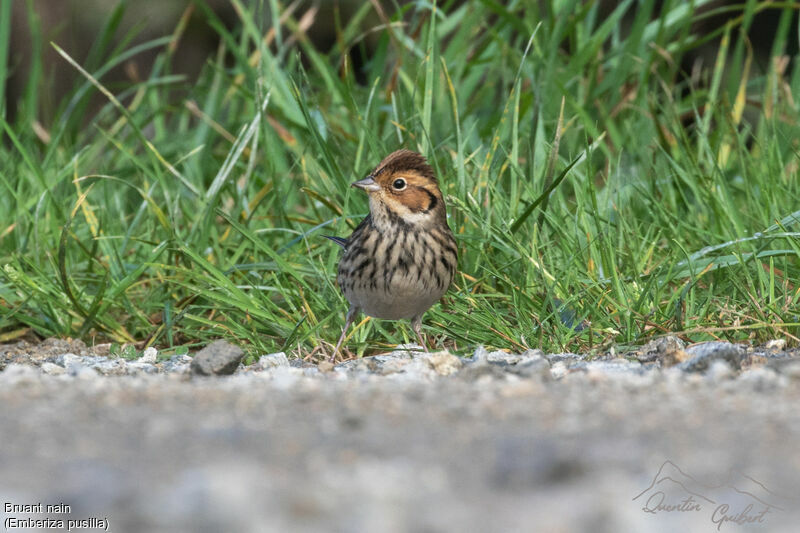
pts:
[399, 273]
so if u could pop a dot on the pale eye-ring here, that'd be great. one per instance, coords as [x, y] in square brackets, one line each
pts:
[399, 184]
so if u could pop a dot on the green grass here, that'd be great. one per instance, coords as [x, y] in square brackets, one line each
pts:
[184, 211]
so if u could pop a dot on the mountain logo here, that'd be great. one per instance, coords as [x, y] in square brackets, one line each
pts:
[740, 499]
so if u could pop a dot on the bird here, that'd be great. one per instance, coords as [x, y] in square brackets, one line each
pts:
[402, 257]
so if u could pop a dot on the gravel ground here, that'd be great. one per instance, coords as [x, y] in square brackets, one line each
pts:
[671, 438]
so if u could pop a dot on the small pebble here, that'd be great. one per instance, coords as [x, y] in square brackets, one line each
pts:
[445, 363]
[701, 355]
[554, 358]
[149, 356]
[52, 368]
[218, 358]
[660, 349]
[776, 344]
[533, 366]
[273, 360]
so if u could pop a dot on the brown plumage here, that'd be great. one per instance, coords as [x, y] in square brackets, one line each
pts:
[402, 257]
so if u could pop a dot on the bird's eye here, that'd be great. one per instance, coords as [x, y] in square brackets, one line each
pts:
[399, 184]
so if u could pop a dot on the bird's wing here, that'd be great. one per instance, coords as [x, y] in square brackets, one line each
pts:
[341, 241]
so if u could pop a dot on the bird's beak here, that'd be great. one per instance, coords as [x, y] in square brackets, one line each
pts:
[368, 184]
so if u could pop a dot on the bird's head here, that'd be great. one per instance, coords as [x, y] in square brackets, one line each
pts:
[403, 185]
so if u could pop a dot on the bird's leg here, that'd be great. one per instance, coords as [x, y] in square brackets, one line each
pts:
[416, 325]
[351, 315]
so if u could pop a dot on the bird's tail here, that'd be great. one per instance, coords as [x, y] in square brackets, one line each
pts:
[338, 240]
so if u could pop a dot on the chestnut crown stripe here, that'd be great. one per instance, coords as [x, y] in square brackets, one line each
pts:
[405, 160]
